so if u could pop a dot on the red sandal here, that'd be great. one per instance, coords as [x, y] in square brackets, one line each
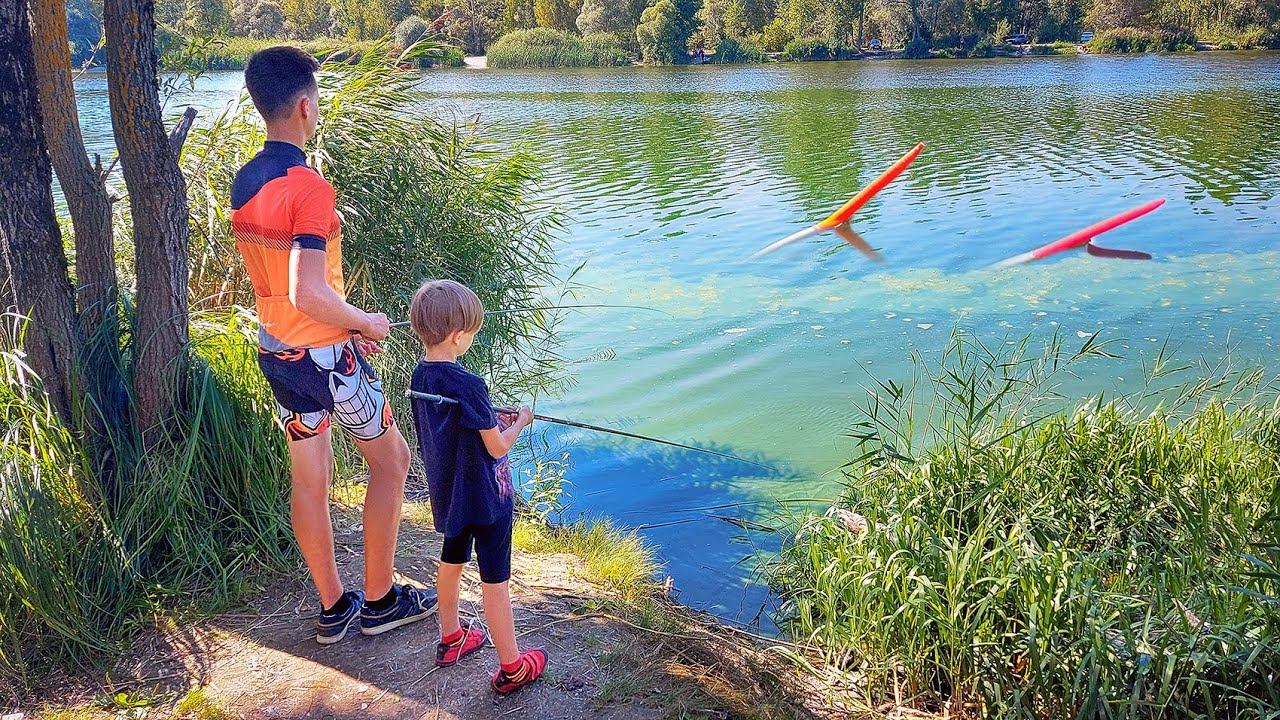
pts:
[527, 669]
[469, 641]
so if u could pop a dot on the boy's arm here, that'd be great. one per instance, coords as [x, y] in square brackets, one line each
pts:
[311, 294]
[500, 441]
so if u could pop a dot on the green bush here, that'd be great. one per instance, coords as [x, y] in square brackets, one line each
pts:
[1138, 40]
[1101, 562]
[661, 34]
[543, 47]
[451, 57]
[807, 48]
[1045, 50]
[774, 36]
[409, 31]
[733, 50]
[1252, 38]
[917, 49]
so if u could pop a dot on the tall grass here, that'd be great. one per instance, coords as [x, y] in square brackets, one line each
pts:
[1028, 560]
[85, 551]
[543, 47]
[1138, 40]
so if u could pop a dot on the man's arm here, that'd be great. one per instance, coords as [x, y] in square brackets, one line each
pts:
[499, 442]
[311, 295]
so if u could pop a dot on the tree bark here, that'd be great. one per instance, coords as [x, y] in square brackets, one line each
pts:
[29, 237]
[158, 200]
[82, 185]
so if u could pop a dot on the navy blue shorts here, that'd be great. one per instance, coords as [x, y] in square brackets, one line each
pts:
[493, 550]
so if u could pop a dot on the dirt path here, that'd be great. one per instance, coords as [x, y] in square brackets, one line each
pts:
[261, 661]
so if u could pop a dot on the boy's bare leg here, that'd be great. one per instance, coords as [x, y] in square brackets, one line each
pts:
[311, 465]
[448, 580]
[388, 460]
[502, 623]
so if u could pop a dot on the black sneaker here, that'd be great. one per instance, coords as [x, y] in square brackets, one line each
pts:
[332, 628]
[411, 605]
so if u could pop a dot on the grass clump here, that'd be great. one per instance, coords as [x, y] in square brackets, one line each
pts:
[615, 559]
[1138, 40]
[738, 51]
[1031, 562]
[544, 47]
[88, 547]
[195, 705]
[807, 48]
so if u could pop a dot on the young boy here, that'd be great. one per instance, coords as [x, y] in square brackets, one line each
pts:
[464, 448]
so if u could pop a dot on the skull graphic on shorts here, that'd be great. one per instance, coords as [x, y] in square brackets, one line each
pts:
[353, 401]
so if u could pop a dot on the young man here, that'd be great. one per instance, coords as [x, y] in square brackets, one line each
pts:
[312, 343]
[464, 446]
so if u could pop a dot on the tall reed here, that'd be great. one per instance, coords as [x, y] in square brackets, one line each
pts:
[1028, 559]
[85, 551]
[544, 47]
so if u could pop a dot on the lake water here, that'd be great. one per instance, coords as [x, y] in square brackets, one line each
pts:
[671, 178]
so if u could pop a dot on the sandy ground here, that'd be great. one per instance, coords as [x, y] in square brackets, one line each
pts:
[261, 661]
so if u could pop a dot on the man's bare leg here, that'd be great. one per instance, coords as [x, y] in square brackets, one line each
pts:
[311, 467]
[388, 460]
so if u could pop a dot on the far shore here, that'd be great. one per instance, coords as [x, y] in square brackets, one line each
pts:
[1036, 50]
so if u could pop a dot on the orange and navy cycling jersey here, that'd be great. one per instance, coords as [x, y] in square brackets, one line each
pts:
[279, 203]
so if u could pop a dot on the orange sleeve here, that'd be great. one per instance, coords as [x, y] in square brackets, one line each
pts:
[314, 207]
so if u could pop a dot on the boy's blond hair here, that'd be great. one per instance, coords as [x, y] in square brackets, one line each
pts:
[443, 307]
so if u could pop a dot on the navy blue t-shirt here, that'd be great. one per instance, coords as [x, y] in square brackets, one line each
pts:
[468, 487]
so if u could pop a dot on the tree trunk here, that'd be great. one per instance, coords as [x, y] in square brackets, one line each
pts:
[82, 184]
[84, 187]
[158, 200]
[29, 237]
[862, 16]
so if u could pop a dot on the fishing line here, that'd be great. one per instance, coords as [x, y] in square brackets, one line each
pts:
[442, 400]
[405, 323]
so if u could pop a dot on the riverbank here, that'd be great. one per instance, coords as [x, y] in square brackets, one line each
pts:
[619, 647]
[231, 53]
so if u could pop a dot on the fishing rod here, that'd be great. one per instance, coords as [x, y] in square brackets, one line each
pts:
[405, 323]
[442, 400]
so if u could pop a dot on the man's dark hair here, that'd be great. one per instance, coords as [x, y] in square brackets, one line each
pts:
[276, 77]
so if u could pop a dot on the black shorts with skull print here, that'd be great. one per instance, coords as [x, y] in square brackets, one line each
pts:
[314, 386]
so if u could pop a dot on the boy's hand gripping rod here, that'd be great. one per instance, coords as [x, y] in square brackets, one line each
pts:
[442, 400]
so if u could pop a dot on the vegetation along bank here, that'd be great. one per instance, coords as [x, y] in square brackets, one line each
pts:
[574, 33]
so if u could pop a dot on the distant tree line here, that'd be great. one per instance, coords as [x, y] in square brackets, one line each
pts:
[666, 31]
